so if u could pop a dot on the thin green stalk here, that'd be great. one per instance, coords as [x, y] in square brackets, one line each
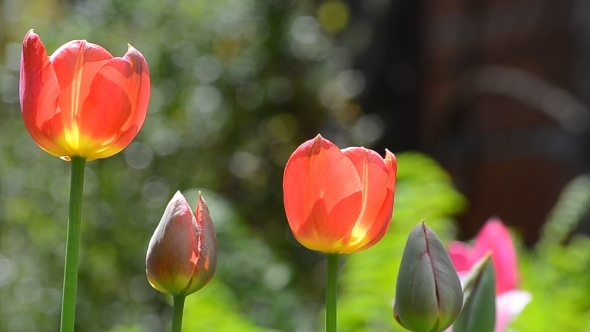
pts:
[68, 307]
[331, 292]
[178, 307]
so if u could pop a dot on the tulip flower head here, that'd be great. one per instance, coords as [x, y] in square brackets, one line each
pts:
[182, 254]
[82, 101]
[338, 201]
[428, 295]
[495, 238]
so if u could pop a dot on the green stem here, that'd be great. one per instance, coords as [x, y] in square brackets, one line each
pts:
[331, 291]
[68, 307]
[178, 307]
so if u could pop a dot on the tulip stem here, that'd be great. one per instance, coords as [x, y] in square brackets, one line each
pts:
[331, 292]
[68, 306]
[178, 308]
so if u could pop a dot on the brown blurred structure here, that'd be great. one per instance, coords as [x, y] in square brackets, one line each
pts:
[494, 99]
[497, 108]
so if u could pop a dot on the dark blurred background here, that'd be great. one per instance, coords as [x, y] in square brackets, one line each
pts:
[496, 91]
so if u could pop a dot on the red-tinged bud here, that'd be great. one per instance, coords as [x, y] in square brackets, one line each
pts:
[182, 254]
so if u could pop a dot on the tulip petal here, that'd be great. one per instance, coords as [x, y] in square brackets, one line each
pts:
[76, 64]
[462, 256]
[373, 173]
[509, 305]
[39, 92]
[322, 194]
[115, 109]
[495, 236]
[206, 254]
[139, 85]
[323, 232]
[383, 218]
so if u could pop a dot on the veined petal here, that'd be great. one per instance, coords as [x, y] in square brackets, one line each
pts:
[138, 86]
[318, 178]
[374, 176]
[381, 225]
[39, 92]
[76, 64]
[329, 232]
[116, 107]
[383, 219]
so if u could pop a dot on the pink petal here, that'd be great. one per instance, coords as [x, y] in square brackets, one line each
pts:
[462, 256]
[495, 236]
[509, 305]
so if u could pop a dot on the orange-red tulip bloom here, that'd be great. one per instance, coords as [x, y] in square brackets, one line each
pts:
[338, 201]
[182, 254]
[82, 101]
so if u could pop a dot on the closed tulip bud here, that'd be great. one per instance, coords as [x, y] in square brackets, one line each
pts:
[182, 254]
[82, 101]
[428, 292]
[479, 308]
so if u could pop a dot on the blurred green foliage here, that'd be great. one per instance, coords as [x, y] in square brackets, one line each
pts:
[236, 86]
[368, 280]
[555, 271]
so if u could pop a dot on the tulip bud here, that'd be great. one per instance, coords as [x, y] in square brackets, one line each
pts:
[428, 292]
[182, 254]
[479, 309]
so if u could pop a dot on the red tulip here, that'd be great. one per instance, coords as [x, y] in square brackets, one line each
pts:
[338, 201]
[182, 254]
[82, 101]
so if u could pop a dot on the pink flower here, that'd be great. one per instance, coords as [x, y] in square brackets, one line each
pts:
[495, 238]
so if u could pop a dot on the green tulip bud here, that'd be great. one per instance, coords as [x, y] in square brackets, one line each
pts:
[428, 292]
